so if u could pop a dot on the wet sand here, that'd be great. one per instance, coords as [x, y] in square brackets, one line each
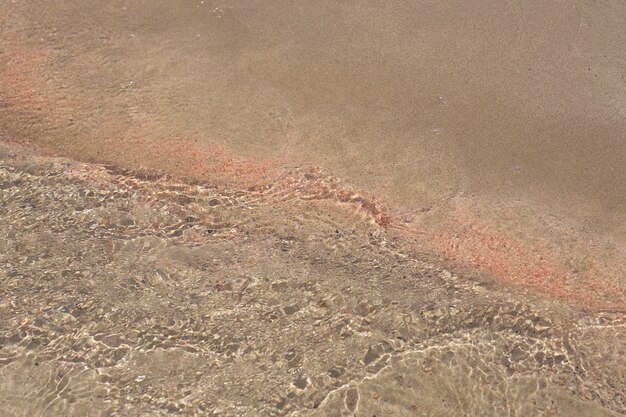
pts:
[131, 293]
[512, 114]
[415, 100]
[483, 138]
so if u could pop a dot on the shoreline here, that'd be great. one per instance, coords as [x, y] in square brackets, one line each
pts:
[578, 270]
[252, 208]
[287, 300]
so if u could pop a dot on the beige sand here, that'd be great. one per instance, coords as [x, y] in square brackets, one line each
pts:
[491, 121]
[489, 134]
[128, 293]
[417, 100]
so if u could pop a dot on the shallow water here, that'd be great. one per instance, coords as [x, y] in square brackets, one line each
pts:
[130, 293]
[417, 101]
[266, 208]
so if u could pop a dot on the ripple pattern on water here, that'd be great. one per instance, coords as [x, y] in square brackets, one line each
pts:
[131, 293]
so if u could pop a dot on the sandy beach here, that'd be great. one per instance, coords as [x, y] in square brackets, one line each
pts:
[393, 187]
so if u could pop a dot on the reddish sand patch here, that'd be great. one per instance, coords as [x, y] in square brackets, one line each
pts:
[21, 80]
[465, 240]
[191, 159]
[25, 87]
[462, 237]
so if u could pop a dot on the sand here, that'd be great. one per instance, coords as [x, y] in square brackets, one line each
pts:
[487, 137]
[132, 293]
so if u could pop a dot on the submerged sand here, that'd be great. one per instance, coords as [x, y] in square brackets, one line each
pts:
[503, 118]
[417, 100]
[132, 293]
[481, 149]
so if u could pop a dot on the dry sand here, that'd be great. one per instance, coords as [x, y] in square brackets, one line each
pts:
[486, 136]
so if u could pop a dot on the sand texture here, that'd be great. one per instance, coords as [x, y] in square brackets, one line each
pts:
[130, 293]
[327, 208]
